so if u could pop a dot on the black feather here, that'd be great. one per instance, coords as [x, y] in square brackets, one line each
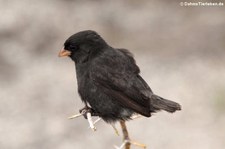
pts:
[108, 79]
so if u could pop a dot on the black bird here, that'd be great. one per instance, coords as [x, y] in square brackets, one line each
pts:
[109, 80]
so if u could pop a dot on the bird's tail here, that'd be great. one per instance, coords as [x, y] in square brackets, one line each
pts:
[159, 103]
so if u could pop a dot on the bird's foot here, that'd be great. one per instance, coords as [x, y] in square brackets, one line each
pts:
[83, 112]
[130, 142]
[87, 112]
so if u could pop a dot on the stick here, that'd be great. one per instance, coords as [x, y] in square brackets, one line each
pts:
[90, 121]
[95, 121]
[125, 134]
[75, 116]
[115, 129]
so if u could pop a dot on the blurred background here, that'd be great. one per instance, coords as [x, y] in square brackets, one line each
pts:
[180, 51]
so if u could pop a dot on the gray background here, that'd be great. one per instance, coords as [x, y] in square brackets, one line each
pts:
[180, 51]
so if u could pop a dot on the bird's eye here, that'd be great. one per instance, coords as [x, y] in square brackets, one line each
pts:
[73, 47]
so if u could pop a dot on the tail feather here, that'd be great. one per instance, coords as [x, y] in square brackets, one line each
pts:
[159, 103]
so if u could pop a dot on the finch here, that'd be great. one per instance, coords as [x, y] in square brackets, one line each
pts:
[109, 81]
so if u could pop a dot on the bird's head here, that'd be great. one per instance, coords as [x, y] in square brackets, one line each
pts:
[82, 46]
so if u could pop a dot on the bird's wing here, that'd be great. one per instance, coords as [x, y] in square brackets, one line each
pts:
[118, 77]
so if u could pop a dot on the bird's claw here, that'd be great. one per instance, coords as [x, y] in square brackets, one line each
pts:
[86, 110]
[82, 112]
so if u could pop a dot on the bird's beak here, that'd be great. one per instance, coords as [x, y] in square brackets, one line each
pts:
[64, 52]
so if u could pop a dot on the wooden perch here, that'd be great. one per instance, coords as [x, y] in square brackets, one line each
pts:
[89, 118]
[125, 134]
[126, 139]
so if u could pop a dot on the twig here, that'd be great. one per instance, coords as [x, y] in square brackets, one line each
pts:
[122, 145]
[97, 120]
[125, 134]
[75, 116]
[126, 140]
[115, 129]
[90, 121]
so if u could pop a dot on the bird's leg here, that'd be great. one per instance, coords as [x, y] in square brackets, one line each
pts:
[86, 110]
[126, 139]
